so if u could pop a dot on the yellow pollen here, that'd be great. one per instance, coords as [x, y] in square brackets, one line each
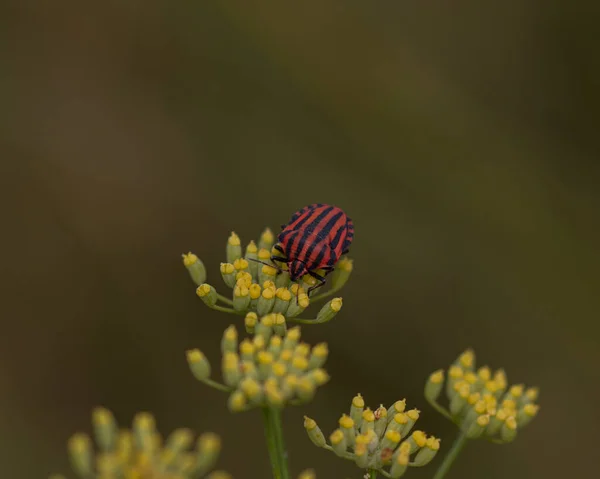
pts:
[358, 401]
[203, 290]
[251, 248]
[437, 376]
[234, 240]
[227, 268]
[263, 254]
[189, 259]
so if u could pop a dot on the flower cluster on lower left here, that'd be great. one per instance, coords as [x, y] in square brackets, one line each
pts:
[139, 452]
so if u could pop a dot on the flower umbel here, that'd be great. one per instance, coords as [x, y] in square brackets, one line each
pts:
[262, 286]
[382, 440]
[138, 453]
[480, 401]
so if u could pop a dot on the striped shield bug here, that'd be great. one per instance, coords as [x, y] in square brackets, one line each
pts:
[314, 239]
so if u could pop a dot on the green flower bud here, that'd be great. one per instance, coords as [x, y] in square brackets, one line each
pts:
[398, 422]
[526, 414]
[397, 407]
[476, 428]
[264, 361]
[250, 322]
[305, 389]
[234, 248]
[390, 440]
[282, 300]
[356, 409]
[144, 428]
[231, 369]
[237, 401]
[265, 302]
[416, 441]
[341, 273]
[459, 400]
[252, 390]
[179, 441]
[195, 268]
[329, 311]
[229, 342]
[361, 455]
[267, 273]
[297, 304]
[81, 454]
[434, 385]
[455, 374]
[207, 293]
[380, 420]
[275, 344]
[399, 465]
[264, 327]
[228, 274]
[318, 376]
[314, 432]
[251, 256]
[280, 326]
[105, 428]
[338, 442]
[198, 364]
[318, 355]
[291, 338]
[266, 239]
[427, 453]
[283, 280]
[368, 421]
[347, 427]
[209, 447]
[508, 432]
[412, 416]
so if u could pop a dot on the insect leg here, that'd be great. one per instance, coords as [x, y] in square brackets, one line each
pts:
[319, 278]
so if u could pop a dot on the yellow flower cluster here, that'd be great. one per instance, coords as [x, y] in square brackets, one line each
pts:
[480, 401]
[267, 369]
[139, 453]
[378, 439]
[262, 286]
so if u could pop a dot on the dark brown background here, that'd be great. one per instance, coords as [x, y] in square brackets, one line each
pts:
[460, 136]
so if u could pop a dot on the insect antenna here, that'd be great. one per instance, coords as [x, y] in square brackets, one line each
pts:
[266, 264]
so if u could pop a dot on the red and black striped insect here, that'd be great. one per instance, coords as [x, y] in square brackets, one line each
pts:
[314, 239]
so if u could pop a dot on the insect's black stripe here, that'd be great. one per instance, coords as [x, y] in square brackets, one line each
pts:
[322, 229]
[336, 239]
[314, 220]
[319, 258]
[292, 244]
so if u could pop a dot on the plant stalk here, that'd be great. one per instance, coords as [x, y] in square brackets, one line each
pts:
[453, 453]
[275, 444]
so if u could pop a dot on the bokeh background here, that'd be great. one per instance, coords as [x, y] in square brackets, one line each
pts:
[461, 137]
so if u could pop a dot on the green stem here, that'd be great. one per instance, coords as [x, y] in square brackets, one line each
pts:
[451, 456]
[372, 474]
[223, 309]
[216, 385]
[224, 299]
[275, 444]
[324, 295]
[442, 410]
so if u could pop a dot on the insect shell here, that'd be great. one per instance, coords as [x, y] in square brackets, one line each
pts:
[314, 239]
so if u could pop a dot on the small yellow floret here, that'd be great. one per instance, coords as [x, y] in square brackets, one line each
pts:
[251, 248]
[227, 268]
[437, 376]
[234, 240]
[420, 438]
[336, 304]
[203, 290]
[358, 401]
[189, 259]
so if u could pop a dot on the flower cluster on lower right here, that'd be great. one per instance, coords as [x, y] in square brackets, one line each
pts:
[378, 439]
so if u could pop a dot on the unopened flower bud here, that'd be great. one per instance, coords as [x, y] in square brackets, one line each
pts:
[228, 274]
[508, 432]
[305, 389]
[267, 273]
[81, 454]
[209, 447]
[283, 297]
[105, 428]
[207, 293]
[526, 414]
[251, 256]
[338, 442]
[416, 441]
[229, 342]
[195, 268]
[356, 409]
[341, 273]
[459, 401]
[297, 305]
[314, 432]
[399, 465]
[427, 453]
[318, 355]
[368, 421]
[413, 416]
[234, 248]
[476, 428]
[266, 239]
[398, 406]
[380, 420]
[264, 327]
[390, 440]
[198, 364]
[280, 326]
[329, 311]
[434, 385]
[241, 298]
[231, 369]
[265, 302]
[250, 322]
[291, 338]
[361, 455]
[347, 426]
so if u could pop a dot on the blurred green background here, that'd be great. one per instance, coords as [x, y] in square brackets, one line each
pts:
[461, 137]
